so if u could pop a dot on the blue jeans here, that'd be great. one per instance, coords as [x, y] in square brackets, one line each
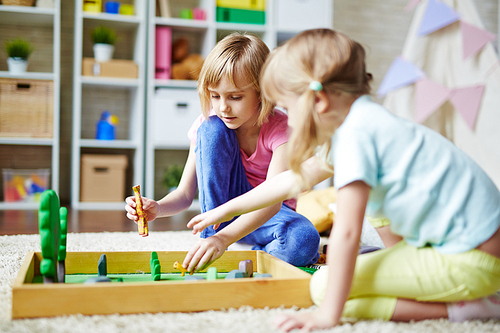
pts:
[221, 177]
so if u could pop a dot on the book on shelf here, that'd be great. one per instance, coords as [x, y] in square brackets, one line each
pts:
[163, 8]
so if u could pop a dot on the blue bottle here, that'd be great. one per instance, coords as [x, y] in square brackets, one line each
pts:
[105, 129]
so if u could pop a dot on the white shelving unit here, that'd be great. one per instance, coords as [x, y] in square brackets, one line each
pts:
[273, 32]
[33, 18]
[128, 93]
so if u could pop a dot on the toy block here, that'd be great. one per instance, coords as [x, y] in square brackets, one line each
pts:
[194, 277]
[49, 229]
[102, 266]
[212, 273]
[235, 274]
[262, 275]
[233, 15]
[96, 279]
[177, 265]
[246, 266]
[142, 224]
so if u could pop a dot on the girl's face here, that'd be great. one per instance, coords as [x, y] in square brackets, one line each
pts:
[238, 107]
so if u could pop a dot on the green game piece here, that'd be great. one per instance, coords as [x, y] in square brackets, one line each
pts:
[309, 270]
[49, 228]
[212, 273]
[155, 266]
[61, 253]
[63, 213]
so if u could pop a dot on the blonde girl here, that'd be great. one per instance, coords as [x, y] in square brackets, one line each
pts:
[444, 207]
[238, 142]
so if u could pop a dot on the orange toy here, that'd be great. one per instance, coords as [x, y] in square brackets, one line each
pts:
[142, 224]
[178, 266]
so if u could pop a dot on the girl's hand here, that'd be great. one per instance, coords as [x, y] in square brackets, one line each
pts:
[213, 217]
[305, 321]
[150, 207]
[203, 253]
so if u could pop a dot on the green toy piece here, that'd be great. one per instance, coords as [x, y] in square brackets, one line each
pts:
[50, 233]
[155, 266]
[212, 273]
[61, 253]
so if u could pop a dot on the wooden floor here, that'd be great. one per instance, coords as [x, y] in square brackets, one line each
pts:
[15, 222]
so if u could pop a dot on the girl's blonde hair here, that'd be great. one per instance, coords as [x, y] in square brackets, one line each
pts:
[327, 56]
[236, 53]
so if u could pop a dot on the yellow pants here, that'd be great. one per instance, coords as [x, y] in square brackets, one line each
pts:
[422, 274]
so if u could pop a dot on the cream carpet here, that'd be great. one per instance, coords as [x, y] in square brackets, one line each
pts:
[13, 249]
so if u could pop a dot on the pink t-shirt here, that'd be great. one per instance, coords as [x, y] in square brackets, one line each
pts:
[272, 134]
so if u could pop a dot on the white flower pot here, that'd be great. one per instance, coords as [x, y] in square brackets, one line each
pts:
[103, 52]
[17, 65]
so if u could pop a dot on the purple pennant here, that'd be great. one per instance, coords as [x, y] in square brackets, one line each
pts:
[401, 73]
[437, 16]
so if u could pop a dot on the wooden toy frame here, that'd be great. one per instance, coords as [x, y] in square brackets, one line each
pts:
[287, 287]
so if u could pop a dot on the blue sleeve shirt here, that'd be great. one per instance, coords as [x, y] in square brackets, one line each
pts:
[430, 190]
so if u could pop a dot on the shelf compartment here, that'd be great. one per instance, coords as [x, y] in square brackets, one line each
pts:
[27, 15]
[108, 144]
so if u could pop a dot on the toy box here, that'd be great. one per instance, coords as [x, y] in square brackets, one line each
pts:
[288, 286]
[24, 185]
[234, 15]
[103, 178]
[113, 68]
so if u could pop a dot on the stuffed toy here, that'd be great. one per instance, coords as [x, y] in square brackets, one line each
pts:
[185, 66]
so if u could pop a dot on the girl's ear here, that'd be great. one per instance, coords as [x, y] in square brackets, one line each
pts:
[321, 102]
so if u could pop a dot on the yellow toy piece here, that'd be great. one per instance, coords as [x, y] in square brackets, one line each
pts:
[142, 224]
[177, 265]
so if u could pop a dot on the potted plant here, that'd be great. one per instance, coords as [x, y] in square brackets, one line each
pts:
[18, 51]
[172, 176]
[104, 39]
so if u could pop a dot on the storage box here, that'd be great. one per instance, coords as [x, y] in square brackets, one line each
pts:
[288, 286]
[174, 112]
[243, 4]
[26, 108]
[240, 15]
[113, 68]
[298, 15]
[103, 178]
[24, 185]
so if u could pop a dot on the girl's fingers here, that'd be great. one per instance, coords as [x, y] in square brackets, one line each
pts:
[205, 260]
[189, 256]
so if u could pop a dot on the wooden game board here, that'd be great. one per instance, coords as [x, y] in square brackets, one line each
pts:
[288, 286]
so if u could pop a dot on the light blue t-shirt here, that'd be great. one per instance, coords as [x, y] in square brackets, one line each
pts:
[430, 190]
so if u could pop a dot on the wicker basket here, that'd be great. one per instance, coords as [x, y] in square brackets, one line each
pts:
[17, 2]
[26, 108]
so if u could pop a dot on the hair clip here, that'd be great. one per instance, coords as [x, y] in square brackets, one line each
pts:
[316, 86]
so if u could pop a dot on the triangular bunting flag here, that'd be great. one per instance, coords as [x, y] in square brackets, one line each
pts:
[466, 102]
[437, 16]
[429, 96]
[411, 5]
[401, 73]
[474, 39]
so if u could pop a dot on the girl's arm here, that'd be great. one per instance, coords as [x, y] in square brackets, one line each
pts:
[342, 253]
[174, 202]
[255, 207]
